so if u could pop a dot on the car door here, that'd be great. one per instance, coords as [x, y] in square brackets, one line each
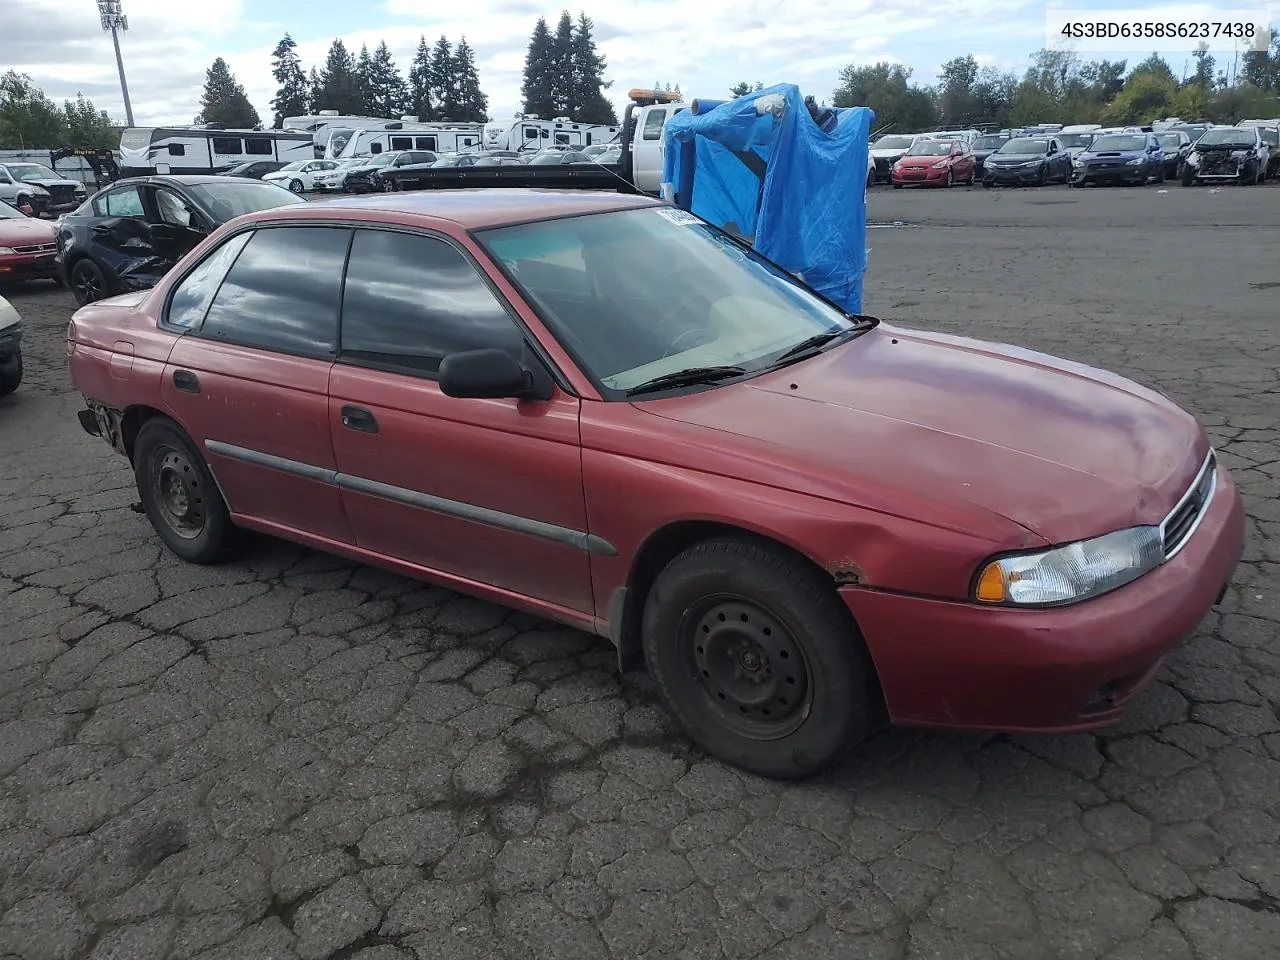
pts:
[249, 380]
[962, 162]
[174, 224]
[486, 491]
[118, 238]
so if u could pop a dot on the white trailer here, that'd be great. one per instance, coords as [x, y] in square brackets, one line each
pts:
[199, 149]
[438, 137]
[529, 134]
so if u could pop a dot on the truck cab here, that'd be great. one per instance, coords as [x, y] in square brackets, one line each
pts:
[644, 151]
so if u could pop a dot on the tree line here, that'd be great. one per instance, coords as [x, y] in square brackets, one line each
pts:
[564, 73]
[1061, 87]
[31, 121]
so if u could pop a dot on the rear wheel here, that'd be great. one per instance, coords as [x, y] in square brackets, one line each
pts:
[180, 496]
[88, 282]
[757, 658]
[295, 185]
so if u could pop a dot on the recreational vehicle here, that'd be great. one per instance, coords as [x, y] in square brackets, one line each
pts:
[405, 135]
[529, 134]
[159, 150]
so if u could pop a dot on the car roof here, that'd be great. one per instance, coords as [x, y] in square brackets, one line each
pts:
[180, 179]
[475, 208]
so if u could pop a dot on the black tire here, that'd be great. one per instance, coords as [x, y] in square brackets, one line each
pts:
[295, 185]
[810, 692]
[181, 499]
[88, 282]
[1188, 175]
[1043, 179]
[951, 179]
[10, 375]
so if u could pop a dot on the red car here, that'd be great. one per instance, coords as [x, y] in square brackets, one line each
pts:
[27, 247]
[600, 409]
[934, 163]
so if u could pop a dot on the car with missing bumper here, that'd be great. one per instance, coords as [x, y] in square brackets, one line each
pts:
[783, 509]
[1236, 154]
[49, 192]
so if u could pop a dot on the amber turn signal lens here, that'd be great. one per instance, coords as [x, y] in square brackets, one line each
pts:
[991, 584]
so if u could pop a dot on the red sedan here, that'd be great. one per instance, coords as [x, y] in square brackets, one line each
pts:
[602, 410]
[27, 247]
[934, 163]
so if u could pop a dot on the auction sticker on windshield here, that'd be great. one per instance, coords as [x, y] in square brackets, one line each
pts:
[679, 216]
[1175, 31]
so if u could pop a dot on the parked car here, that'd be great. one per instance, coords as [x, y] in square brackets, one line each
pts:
[888, 150]
[934, 163]
[551, 158]
[254, 169]
[1271, 137]
[1177, 146]
[28, 198]
[27, 247]
[334, 181]
[366, 179]
[1027, 160]
[10, 348]
[128, 236]
[300, 175]
[1078, 142]
[1227, 153]
[984, 146]
[1120, 158]
[610, 156]
[25, 179]
[781, 508]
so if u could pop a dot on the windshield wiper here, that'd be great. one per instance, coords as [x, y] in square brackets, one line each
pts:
[686, 377]
[806, 348]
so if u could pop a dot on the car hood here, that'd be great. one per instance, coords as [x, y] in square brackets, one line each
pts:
[884, 154]
[48, 182]
[1247, 147]
[1014, 157]
[1112, 155]
[17, 233]
[1061, 449]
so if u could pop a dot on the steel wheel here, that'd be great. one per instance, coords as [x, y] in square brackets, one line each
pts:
[751, 670]
[179, 492]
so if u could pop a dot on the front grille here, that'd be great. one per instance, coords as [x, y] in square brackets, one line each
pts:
[61, 194]
[37, 248]
[1183, 519]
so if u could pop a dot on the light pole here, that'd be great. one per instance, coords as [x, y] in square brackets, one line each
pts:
[115, 21]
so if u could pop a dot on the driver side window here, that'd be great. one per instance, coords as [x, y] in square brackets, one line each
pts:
[173, 209]
[124, 202]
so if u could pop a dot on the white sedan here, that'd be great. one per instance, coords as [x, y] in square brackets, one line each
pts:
[299, 176]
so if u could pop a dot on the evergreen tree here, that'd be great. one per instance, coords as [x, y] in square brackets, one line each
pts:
[444, 88]
[563, 87]
[339, 86]
[364, 78]
[538, 86]
[224, 101]
[420, 100]
[313, 91]
[388, 96]
[588, 104]
[291, 83]
[472, 103]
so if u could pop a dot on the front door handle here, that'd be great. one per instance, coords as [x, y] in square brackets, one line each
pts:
[358, 418]
[186, 381]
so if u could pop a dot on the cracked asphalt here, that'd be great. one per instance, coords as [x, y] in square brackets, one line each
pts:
[297, 757]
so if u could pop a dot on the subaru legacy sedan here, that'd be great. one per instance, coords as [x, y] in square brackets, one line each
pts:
[601, 409]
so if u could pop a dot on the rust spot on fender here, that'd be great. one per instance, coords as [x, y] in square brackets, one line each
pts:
[845, 572]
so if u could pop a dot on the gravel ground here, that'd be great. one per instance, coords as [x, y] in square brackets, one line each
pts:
[297, 757]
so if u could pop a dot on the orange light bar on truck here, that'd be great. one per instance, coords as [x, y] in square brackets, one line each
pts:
[641, 95]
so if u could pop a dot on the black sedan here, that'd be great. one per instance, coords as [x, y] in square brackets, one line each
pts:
[127, 236]
[1027, 160]
[367, 177]
[1176, 144]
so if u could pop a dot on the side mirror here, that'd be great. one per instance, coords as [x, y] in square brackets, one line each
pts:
[486, 375]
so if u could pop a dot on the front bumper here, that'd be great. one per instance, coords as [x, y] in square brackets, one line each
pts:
[10, 342]
[1122, 174]
[1058, 670]
[28, 266]
[998, 175]
[923, 176]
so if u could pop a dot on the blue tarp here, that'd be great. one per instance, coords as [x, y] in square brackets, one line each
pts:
[809, 214]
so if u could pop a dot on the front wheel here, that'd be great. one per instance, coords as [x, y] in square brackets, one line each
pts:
[1043, 179]
[295, 185]
[757, 658]
[180, 496]
[1188, 176]
[951, 179]
[10, 374]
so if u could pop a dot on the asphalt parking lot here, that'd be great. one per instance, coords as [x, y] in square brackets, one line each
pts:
[298, 757]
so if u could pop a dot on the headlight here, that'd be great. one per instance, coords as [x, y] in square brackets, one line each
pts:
[1078, 164]
[7, 251]
[1135, 162]
[1072, 573]
[941, 164]
[38, 190]
[1033, 163]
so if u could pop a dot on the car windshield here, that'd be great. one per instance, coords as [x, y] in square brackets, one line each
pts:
[989, 143]
[893, 143]
[1226, 138]
[1118, 143]
[11, 213]
[26, 172]
[931, 148]
[1069, 140]
[639, 294]
[226, 201]
[1025, 145]
[296, 165]
[1170, 141]
[545, 159]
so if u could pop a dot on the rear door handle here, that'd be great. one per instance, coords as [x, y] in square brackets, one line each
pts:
[186, 381]
[358, 418]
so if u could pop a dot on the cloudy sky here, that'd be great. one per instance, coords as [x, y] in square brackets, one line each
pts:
[704, 47]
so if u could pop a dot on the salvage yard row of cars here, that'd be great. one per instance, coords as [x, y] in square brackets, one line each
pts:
[1081, 156]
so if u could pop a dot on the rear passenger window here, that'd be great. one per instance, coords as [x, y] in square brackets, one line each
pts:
[411, 300]
[192, 295]
[282, 292]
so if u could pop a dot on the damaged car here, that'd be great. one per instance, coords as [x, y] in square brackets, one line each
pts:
[1237, 154]
[45, 190]
[128, 236]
